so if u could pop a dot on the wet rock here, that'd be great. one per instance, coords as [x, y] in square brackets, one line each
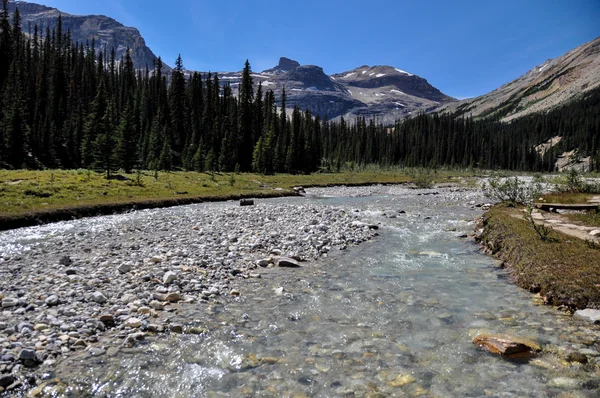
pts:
[563, 382]
[29, 358]
[279, 291]
[401, 380]
[504, 344]
[176, 328]
[6, 380]
[577, 357]
[589, 315]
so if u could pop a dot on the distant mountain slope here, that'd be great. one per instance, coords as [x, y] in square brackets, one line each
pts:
[107, 32]
[382, 92]
[553, 83]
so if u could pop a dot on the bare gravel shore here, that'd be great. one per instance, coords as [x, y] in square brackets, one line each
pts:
[90, 283]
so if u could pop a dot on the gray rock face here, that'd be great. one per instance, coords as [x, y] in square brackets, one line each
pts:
[286, 64]
[107, 32]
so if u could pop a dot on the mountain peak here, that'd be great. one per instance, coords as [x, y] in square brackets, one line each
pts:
[286, 64]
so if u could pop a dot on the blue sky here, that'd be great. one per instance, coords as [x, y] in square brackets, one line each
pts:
[464, 48]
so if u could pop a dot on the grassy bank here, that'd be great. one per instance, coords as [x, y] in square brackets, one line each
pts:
[566, 272]
[31, 197]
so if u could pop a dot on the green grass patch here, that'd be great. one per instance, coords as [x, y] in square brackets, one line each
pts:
[567, 197]
[27, 191]
[566, 272]
[590, 218]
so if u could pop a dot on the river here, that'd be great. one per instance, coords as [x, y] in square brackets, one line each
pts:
[394, 316]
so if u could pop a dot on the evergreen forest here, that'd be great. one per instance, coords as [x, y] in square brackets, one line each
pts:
[65, 104]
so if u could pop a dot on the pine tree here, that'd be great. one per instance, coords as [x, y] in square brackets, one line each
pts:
[246, 115]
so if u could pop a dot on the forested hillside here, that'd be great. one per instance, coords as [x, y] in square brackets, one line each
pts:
[63, 106]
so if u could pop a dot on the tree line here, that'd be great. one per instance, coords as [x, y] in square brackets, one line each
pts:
[67, 104]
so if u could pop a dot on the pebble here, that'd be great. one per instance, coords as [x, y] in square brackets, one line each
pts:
[133, 323]
[9, 302]
[51, 300]
[169, 277]
[125, 268]
[99, 297]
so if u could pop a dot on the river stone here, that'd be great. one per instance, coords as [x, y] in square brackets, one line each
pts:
[107, 319]
[286, 262]
[173, 297]
[6, 380]
[564, 382]
[133, 323]
[169, 277]
[99, 297]
[504, 344]
[51, 300]
[263, 262]
[589, 315]
[157, 305]
[9, 302]
[577, 357]
[125, 268]
[401, 380]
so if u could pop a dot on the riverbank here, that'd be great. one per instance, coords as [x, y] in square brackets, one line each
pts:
[565, 271]
[36, 197]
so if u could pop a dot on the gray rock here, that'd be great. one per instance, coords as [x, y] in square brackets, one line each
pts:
[286, 262]
[589, 315]
[9, 302]
[125, 268]
[6, 380]
[28, 356]
[99, 297]
[263, 262]
[51, 300]
[246, 202]
[169, 277]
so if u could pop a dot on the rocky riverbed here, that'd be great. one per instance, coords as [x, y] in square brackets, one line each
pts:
[81, 290]
[194, 300]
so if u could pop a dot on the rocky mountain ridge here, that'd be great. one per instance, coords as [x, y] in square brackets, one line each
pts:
[381, 92]
[544, 87]
[107, 32]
